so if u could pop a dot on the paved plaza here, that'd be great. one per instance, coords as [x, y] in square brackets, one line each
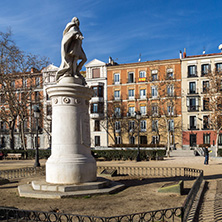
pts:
[210, 209]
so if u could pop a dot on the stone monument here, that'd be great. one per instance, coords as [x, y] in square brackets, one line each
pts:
[71, 169]
[71, 160]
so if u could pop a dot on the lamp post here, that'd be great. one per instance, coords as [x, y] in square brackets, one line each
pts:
[138, 117]
[37, 115]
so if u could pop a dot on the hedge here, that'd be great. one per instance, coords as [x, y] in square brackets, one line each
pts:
[106, 154]
[128, 154]
[141, 145]
[29, 154]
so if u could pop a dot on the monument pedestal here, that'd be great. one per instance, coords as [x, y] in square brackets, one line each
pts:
[71, 161]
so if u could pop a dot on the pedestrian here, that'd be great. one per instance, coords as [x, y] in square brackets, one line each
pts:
[206, 155]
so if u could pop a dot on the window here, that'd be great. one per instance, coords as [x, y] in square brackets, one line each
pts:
[131, 111]
[131, 140]
[116, 78]
[193, 122]
[155, 140]
[143, 140]
[94, 108]
[205, 69]
[170, 110]
[117, 111]
[205, 86]
[143, 110]
[154, 125]
[219, 67]
[142, 93]
[117, 126]
[37, 81]
[24, 82]
[206, 138]
[170, 90]
[37, 97]
[192, 71]
[206, 104]
[205, 122]
[154, 110]
[118, 140]
[192, 87]
[154, 91]
[97, 140]
[96, 73]
[193, 140]
[142, 74]
[117, 95]
[131, 93]
[49, 110]
[169, 73]
[131, 126]
[97, 107]
[130, 77]
[171, 125]
[192, 104]
[98, 91]
[95, 91]
[13, 84]
[220, 139]
[97, 125]
[154, 75]
[143, 125]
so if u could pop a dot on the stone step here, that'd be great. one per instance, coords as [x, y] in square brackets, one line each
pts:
[181, 153]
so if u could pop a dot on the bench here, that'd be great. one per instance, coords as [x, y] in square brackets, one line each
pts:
[13, 156]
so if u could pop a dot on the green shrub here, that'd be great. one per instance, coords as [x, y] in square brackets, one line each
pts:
[29, 154]
[128, 154]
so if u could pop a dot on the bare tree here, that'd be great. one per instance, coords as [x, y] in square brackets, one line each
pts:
[213, 101]
[163, 112]
[16, 97]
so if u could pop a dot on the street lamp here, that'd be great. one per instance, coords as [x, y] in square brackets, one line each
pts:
[37, 115]
[138, 117]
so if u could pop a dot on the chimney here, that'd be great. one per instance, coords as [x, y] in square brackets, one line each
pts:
[184, 53]
[110, 60]
[180, 54]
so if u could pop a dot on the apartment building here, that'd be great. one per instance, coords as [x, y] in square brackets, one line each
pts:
[19, 93]
[96, 78]
[152, 89]
[195, 105]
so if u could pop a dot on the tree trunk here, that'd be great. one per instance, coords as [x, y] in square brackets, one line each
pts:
[22, 133]
[216, 150]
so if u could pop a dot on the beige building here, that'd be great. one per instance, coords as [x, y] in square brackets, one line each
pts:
[195, 110]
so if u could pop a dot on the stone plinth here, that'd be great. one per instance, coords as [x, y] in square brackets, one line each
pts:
[71, 161]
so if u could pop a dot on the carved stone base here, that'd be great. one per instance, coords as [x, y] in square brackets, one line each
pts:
[71, 161]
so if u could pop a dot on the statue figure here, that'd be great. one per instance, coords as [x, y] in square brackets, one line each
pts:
[71, 52]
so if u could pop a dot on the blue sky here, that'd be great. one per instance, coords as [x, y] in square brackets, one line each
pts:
[122, 29]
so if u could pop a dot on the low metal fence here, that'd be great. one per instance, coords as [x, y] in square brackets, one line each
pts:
[170, 214]
[191, 196]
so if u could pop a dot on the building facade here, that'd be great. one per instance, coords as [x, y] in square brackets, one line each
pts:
[20, 92]
[96, 78]
[152, 89]
[196, 112]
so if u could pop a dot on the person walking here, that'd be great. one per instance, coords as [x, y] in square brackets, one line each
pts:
[206, 155]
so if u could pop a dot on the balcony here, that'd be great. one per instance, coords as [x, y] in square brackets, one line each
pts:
[193, 108]
[192, 92]
[192, 75]
[117, 82]
[193, 127]
[96, 115]
[142, 79]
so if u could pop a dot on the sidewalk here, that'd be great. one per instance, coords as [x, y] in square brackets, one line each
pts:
[211, 171]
